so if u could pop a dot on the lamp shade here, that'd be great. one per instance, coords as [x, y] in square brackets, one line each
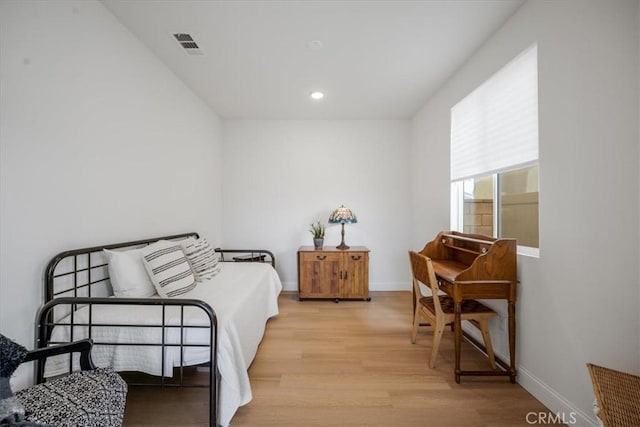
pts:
[342, 215]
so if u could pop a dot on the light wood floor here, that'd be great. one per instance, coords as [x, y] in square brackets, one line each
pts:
[349, 364]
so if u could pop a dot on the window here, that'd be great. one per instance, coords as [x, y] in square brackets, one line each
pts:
[494, 155]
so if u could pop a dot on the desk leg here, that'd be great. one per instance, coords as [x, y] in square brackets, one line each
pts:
[457, 324]
[512, 341]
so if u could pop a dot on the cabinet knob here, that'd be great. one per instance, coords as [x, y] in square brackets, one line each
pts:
[321, 257]
[356, 257]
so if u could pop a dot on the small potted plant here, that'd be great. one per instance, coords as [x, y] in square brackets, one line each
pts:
[317, 230]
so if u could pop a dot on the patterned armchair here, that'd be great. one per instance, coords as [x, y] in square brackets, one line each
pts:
[89, 397]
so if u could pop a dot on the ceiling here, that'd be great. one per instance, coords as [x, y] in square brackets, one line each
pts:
[378, 60]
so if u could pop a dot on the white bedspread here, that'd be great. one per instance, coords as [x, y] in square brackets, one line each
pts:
[243, 295]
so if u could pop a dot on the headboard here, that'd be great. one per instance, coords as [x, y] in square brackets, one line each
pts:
[84, 273]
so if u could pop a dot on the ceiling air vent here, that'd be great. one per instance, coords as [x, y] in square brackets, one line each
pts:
[189, 45]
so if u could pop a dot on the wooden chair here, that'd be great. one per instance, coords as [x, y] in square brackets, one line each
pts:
[618, 396]
[438, 310]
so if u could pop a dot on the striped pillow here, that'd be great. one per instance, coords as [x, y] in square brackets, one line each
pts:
[168, 269]
[204, 260]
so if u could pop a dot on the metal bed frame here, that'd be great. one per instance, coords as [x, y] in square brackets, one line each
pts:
[80, 278]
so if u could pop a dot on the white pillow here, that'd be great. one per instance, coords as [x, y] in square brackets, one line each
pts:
[168, 269]
[204, 260]
[127, 274]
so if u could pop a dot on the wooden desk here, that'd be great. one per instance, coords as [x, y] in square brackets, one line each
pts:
[470, 266]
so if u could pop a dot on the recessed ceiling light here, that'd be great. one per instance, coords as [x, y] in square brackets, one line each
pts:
[315, 45]
[317, 95]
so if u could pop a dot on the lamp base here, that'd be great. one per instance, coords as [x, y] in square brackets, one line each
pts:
[342, 244]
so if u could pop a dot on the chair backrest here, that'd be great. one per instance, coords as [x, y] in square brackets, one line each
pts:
[617, 396]
[422, 271]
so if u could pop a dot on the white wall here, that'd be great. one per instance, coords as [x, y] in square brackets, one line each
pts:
[279, 176]
[99, 143]
[579, 302]
[89, 118]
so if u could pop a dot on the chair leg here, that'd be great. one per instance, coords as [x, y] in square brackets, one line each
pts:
[484, 328]
[416, 323]
[437, 335]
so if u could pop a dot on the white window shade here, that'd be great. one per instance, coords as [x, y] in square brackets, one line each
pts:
[495, 128]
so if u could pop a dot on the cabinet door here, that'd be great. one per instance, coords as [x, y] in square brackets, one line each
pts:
[319, 275]
[355, 282]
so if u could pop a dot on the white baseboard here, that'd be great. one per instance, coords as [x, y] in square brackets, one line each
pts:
[373, 286]
[556, 403]
[289, 286]
[389, 286]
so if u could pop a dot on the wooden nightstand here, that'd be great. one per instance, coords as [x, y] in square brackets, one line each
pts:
[331, 273]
